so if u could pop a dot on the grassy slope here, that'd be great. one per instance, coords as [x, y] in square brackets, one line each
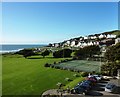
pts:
[74, 82]
[29, 76]
[116, 33]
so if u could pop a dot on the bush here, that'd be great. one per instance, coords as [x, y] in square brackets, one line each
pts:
[54, 62]
[47, 65]
[52, 66]
[84, 74]
[45, 53]
[67, 79]
[26, 52]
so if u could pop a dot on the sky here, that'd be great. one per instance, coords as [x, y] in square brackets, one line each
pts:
[51, 22]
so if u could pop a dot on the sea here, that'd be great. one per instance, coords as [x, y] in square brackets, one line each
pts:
[6, 48]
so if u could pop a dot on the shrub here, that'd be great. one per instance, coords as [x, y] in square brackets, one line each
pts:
[54, 62]
[47, 65]
[84, 74]
[52, 66]
[45, 53]
[67, 79]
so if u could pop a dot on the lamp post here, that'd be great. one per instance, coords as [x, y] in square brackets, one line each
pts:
[100, 65]
[100, 59]
[63, 52]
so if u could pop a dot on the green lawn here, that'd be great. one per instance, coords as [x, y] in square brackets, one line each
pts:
[29, 76]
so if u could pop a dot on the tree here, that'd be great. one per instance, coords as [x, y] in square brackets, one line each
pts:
[113, 53]
[80, 53]
[91, 50]
[26, 52]
[112, 57]
[62, 53]
[87, 51]
[45, 53]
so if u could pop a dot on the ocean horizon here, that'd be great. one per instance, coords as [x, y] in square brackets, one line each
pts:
[6, 48]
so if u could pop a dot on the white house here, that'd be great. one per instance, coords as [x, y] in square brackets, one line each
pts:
[84, 44]
[117, 40]
[101, 36]
[93, 37]
[79, 44]
[72, 43]
[56, 45]
[90, 43]
[68, 42]
[85, 37]
[111, 36]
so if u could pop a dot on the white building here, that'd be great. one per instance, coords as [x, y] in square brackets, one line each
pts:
[68, 42]
[117, 40]
[85, 37]
[56, 45]
[79, 44]
[72, 43]
[111, 36]
[102, 36]
[93, 37]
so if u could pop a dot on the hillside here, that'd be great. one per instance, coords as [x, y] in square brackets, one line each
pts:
[114, 32]
[105, 38]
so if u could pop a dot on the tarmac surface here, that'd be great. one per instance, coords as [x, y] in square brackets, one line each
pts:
[97, 91]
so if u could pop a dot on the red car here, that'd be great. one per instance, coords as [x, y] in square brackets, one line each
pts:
[92, 79]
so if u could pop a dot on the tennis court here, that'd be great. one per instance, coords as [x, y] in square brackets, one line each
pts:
[81, 65]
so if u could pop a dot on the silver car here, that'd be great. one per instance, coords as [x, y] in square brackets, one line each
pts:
[110, 87]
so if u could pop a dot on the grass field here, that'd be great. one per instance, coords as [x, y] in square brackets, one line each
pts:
[22, 76]
[81, 65]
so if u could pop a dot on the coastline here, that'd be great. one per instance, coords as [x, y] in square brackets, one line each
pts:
[11, 48]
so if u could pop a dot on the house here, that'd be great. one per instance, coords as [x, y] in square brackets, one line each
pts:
[56, 45]
[85, 37]
[117, 40]
[111, 36]
[72, 43]
[101, 36]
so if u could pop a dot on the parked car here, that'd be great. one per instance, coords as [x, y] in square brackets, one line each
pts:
[85, 85]
[98, 77]
[110, 87]
[89, 82]
[93, 79]
[79, 90]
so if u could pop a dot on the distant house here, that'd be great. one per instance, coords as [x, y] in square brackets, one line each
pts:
[117, 40]
[68, 42]
[101, 36]
[72, 43]
[85, 37]
[111, 36]
[56, 45]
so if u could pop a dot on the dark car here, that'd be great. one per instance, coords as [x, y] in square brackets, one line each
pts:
[89, 82]
[85, 85]
[79, 90]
